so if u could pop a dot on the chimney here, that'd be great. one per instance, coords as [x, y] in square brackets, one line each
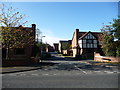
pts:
[34, 30]
[77, 36]
[33, 27]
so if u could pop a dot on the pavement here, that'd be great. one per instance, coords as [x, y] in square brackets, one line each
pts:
[17, 69]
[14, 69]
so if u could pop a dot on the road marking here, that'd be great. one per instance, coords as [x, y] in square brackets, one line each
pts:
[83, 71]
[96, 71]
[45, 69]
[80, 70]
[45, 74]
[1, 74]
[108, 72]
[116, 72]
[21, 74]
[34, 74]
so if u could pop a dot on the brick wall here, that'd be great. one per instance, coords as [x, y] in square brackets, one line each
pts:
[75, 42]
[98, 57]
[16, 59]
[18, 62]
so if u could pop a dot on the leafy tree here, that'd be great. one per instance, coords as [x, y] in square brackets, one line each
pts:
[13, 34]
[111, 38]
[116, 28]
[116, 31]
[66, 46]
[42, 45]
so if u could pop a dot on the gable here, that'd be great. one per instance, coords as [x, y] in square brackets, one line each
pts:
[89, 35]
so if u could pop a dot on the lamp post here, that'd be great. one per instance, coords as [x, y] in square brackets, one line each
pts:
[41, 38]
[41, 45]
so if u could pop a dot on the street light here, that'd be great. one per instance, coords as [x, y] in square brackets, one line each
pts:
[41, 38]
[41, 45]
[38, 34]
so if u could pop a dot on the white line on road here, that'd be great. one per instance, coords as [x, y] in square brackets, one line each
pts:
[45, 74]
[81, 70]
[54, 74]
[96, 71]
[108, 72]
[34, 74]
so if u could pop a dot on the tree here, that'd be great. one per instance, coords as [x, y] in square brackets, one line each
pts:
[116, 28]
[66, 46]
[116, 31]
[111, 38]
[13, 34]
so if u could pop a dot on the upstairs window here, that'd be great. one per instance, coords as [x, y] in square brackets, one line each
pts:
[89, 41]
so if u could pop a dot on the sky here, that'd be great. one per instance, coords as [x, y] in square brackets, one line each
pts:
[58, 20]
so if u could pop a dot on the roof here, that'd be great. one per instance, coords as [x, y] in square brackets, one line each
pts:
[62, 41]
[96, 34]
[55, 43]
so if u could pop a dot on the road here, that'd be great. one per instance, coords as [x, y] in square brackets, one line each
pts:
[64, 73]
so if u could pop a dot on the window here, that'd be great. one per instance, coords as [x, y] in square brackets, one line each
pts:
[19, 51]
[95, 41]
[84, 45]
[88, 45]
[95, 45]
[84, 41]
[89, 41]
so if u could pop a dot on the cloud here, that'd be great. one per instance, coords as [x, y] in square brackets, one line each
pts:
[50, 37]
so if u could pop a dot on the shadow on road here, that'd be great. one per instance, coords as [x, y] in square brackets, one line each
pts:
[57, 62]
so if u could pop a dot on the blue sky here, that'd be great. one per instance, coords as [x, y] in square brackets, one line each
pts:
[58, 20]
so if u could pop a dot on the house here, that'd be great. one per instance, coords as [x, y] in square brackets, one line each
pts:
[64, 46]
[55, 47]
[49, 48]
[21, 55]
[86, 43]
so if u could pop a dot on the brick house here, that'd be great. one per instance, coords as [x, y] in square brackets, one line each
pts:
[86, 43]
[55, 47]
[20, 56]
[49, 48]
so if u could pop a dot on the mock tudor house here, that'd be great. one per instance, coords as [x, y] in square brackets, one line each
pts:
[86, 43]
[22, 55]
